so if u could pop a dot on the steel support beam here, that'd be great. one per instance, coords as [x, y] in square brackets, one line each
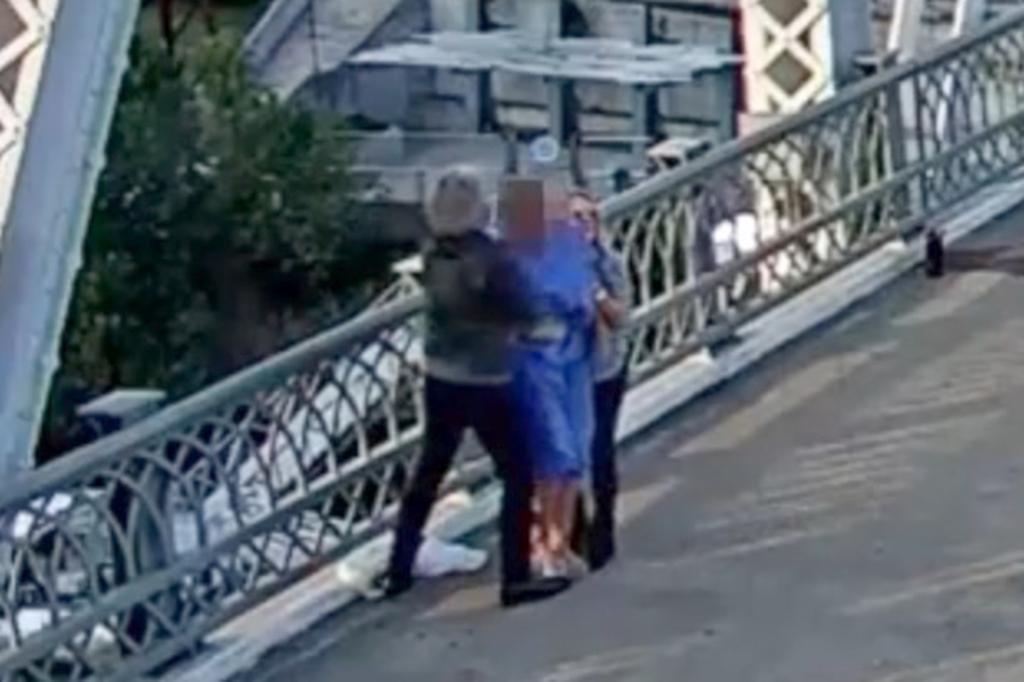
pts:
[49, 209]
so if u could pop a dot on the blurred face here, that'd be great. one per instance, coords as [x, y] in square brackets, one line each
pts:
[584, 210]
[523, 209]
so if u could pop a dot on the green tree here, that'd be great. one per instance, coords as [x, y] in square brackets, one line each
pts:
[224, 227]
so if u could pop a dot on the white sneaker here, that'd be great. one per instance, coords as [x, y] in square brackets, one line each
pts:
[438, 558]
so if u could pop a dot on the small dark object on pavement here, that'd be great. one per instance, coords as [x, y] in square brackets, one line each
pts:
[934, 255]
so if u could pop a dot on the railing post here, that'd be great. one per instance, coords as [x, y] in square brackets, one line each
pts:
[897, 141]
[894, 115]
[142, 547]
[693, 260]
[917, 101]
[145, 550]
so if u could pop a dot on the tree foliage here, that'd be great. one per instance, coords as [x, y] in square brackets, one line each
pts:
[224, 226]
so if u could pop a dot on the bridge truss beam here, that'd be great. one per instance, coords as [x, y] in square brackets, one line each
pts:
[54, 129]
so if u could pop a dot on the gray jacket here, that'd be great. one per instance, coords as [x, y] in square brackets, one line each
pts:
[612, 345]
[476, 300]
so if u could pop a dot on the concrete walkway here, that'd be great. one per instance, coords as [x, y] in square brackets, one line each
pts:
[852, 511]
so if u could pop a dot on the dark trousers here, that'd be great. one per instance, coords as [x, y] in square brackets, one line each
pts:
[595, 537]
[489, 411]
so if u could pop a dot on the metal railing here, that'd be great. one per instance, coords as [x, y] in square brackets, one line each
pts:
[803, 198]
[126, 553]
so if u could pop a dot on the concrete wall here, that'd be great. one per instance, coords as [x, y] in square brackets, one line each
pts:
[624, 21]
[439, 100]
[455, 15]
[415, 98]
[539, 20]
[670, 25]
[852, 34]
[384, 95]
[687, 109]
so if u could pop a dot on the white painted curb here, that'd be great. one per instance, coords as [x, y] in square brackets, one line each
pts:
[239, 646]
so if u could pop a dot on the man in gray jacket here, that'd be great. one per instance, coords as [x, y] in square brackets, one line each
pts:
[476, 301]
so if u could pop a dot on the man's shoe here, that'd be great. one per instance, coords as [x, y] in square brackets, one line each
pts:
[392, 587]
[602, 551]
[599, 558]
[515, 594]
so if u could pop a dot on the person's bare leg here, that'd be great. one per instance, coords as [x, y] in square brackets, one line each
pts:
[569, 499]
[547, 520]
[568, 494]
[558, 540]
[559, 509]
[538, 536]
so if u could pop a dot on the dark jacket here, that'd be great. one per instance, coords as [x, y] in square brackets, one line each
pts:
[477, 299]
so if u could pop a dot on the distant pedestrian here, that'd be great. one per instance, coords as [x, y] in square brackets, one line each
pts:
[476, 300]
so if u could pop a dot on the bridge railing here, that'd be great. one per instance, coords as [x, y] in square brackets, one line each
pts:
[124, 554]
[718, 242]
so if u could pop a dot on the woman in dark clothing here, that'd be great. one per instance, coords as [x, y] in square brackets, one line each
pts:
[476, 301]
[610, 375]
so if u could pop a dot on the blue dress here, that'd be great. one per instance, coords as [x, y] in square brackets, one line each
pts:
[553, 378]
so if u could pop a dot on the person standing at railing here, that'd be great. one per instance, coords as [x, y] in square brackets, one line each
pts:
[725, 229]
[596, 536]
[476, 299]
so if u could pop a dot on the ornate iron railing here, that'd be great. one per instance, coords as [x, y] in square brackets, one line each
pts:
[177, 525]
[718, 242]
[124, 554]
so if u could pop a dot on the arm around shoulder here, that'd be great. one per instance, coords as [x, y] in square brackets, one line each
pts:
[508, 289]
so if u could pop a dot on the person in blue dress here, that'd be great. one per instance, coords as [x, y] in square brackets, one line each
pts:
[553, 381]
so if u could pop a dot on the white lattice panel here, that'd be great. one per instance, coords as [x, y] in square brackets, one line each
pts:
[24, 33]
[788, 51]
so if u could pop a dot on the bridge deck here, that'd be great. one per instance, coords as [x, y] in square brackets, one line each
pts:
[849, 512]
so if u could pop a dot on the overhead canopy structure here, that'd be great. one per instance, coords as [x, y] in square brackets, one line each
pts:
[580, 59]
[560, 62]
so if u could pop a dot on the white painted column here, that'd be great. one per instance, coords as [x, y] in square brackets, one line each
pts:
[53, 189]
[905, 28]
[968, 16]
